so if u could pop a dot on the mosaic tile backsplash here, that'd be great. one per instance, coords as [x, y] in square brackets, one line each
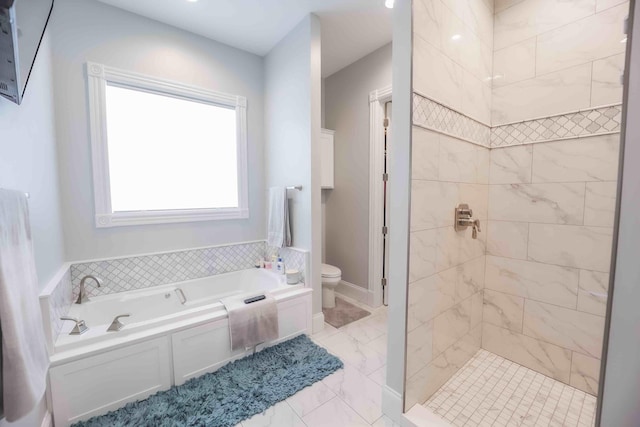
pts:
[59, 303]
[596, 121]
[126, 274]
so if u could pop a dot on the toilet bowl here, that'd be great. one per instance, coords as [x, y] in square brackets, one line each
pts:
[331, 276]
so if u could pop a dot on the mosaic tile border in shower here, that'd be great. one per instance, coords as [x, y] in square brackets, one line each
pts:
[140, 272]
[432, 115]
[591, 122]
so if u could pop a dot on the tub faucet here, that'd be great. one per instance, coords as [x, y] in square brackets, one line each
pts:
[82, 296]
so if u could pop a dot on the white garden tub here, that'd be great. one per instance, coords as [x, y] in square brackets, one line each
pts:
[164, 305]
[164, 342]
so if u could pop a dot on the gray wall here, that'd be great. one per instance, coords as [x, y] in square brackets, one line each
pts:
[347, 205]
[91, 31]
[28, 163]
[292, 128]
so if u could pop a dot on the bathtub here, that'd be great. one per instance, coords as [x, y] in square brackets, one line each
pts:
[163, 305]
[175, 332]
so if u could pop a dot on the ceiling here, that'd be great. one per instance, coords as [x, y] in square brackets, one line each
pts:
[350, 28]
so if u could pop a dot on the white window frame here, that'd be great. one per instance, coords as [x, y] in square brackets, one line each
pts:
[98, 76]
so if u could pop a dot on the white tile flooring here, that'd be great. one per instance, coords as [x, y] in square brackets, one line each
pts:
[490, 391]
[350, 397]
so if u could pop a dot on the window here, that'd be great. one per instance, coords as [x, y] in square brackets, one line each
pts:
[165, 152]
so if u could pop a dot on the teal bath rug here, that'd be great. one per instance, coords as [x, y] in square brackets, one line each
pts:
[233, 393]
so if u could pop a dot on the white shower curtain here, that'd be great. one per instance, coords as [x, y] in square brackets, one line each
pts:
[24, 355]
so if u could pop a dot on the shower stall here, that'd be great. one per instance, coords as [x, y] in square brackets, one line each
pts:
[517, 114]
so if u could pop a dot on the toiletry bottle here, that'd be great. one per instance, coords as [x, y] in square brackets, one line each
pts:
[274, 263]
[280, 266]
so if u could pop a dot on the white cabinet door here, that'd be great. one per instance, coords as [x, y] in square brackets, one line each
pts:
[326, 158]
[199, 350]
[98, 384]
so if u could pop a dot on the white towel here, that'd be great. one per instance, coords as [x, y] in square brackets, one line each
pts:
[24, 357]
[251, 324]
[279, 230]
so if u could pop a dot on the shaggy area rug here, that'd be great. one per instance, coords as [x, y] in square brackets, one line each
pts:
[233, 393]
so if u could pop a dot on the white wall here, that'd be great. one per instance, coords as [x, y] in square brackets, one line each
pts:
[292, 132]
[91, 31]
[28, 163]
[347, 205]
[400, 186]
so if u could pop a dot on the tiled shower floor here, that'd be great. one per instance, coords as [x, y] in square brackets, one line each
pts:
[490, 391]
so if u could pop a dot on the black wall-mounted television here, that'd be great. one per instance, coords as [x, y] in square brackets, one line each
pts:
[22, 25]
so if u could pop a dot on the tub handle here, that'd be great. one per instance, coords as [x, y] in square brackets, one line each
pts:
[183, 298]
[117, 325]
[79, 328]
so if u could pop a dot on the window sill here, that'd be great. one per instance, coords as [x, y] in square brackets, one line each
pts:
[119, 219]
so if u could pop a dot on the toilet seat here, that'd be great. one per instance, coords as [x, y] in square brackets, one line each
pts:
[329, 271]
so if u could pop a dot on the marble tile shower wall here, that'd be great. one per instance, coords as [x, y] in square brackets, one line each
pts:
[452, 56]
[446, 273]
[452, 104]
[551, 212]
[553, 57]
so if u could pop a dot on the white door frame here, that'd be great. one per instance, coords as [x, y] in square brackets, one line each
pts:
[377, 99]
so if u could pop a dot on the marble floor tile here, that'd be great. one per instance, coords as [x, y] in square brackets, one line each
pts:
[385, 421]
[279, 415]
[358, 391]
[310, 398]
[362, 331]
[351, 351]
[379, 376]
[334, 413]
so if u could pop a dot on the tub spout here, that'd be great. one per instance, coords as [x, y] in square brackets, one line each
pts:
[82, 295]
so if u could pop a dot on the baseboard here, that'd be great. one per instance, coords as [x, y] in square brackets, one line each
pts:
[358, 293]
[392, 406]
[317, 323]
[47, 420]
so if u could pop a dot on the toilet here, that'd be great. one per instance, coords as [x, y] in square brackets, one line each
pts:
[331, 276]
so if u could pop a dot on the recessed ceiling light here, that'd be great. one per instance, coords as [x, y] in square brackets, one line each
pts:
[624, 40]
[389, 3]
[192, 1]
[456, 37]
